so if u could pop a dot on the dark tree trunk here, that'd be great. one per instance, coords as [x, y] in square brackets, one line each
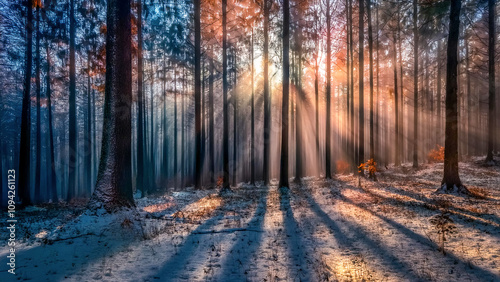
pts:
[176, 148]
[140, 104]
[285, 102]
[491, 80]
[235, 118]
[328, 153]
[38, 118]
[25, 146]
[361, 127]
[88, 140]
[397, 161]
[225, 139]
[370, 46]
[197, 92]
[114, 181]
[352, 155]
[451, 180]
[252, 145]
[73, 151]
[439, 99]
[165, 126]
[53, 179]
[211, 122]
[267, 96]
[415, 84]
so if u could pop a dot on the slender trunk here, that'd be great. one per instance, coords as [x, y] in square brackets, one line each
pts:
[267, 96]
[211, 122]
[352, 155]
[252, 145]
[370, 46]
[397, 162]
[88, 140]
[152, 159]
[491, 80]
[197, 92]
[73, 153]
[235, 118]
[361, 128]
[328, 169]
[176, 148]
[225, 139]
[415, 83]
[25, 146]
[53, 179]
[140, 104]
[401, 92]
[439, 99]
[38, 118]
[285, 100]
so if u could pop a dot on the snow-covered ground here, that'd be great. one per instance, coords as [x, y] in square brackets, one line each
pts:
[344, 229]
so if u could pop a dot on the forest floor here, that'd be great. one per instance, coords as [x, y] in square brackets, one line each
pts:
[345, 229]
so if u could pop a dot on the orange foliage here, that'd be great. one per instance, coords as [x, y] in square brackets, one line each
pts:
[342, 167]
[370, 166]
[436, 155]
[220, 181]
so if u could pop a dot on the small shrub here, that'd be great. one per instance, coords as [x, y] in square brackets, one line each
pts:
[444, 226]
[342, 167]
[369, 167]
[436, 155]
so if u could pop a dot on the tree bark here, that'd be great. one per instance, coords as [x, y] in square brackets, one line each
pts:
[267, 96]
[284, 182]
[73, 151]
[361, 128]
[451, 179]
[415, 84]
[197, 92]
[491, 81]
[328, 169]
[114, 181]
[225, 138]
[25, 145]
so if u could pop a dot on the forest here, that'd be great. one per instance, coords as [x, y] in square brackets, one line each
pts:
[250, 140]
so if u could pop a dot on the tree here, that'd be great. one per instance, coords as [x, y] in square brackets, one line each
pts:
[328, 172]
[225, 138]
[415, 84]
[267, 98]
[139, 184]
[491, 81]
[283, 184]
[72, 105]
[451, 179]
[197, 92]
[361, 153]
[370, 47]
[38, 96]
[114, 180]
[25, 146]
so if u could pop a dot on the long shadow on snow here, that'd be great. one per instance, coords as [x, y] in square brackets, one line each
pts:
[250, 245]
[294, 240]
[177, 262]
[345, 242]
[456, 210]
[483, 273]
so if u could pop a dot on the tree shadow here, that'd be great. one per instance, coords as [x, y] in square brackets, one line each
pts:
[345, 242]
[237, 262]
[482, 273]
[295, 244]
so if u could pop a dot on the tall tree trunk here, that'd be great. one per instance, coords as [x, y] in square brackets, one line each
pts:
[38, 118]
[73, 150]
[469, 99]
[285, 99]
[25, 145]
[234, 99]
[225, 139]
[114, 181]
[328, 153]
[299, 161]
[197, 92]
[140, 183]
[439, 99]
[152, 159]
[361, 144]
[165, 126]
[370, 46]
[211, 122]
[491, 80]
[252, 145]
[267, 96]
[53, 179]
[401, 91]
[451, 179]
[88, 141]
[397, 161]
[352, 155]
[415, 84]
[176, 148]
[377, 115]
